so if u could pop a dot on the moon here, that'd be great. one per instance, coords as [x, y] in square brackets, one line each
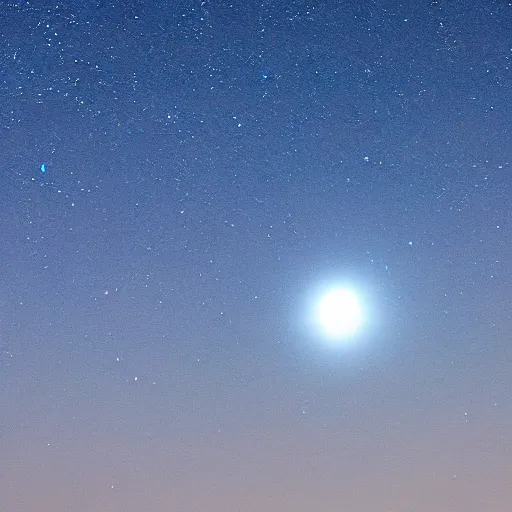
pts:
[339, 314]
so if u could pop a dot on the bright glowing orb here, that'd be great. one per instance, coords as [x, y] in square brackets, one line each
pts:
[339, 313]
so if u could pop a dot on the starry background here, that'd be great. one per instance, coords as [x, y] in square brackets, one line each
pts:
[179, 180]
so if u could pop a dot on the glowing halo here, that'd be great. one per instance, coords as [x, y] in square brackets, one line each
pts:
[339, 314]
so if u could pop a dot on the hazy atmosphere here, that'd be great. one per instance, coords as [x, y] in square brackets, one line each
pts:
[255, 256]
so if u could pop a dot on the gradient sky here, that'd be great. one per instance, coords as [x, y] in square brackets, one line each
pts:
[180, 181]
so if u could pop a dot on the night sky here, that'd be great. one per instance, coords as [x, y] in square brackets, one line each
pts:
[181, 183]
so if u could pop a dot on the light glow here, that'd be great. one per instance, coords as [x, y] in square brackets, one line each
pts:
[339, 314]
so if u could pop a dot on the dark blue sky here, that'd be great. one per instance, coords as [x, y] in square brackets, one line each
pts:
[209, 168]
